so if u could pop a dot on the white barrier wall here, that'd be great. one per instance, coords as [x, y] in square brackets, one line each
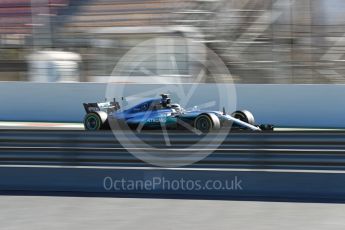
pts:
[282, 105]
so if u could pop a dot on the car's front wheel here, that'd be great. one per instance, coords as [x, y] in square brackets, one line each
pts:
[244, 115]
[205, 123]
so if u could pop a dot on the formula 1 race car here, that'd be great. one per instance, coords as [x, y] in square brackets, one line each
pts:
[156, 113]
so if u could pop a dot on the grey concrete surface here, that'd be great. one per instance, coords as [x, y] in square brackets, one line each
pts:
[36, 213]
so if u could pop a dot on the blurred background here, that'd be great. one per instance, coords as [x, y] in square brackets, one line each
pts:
[260, 41]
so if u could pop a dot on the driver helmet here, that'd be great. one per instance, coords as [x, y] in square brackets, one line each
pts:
[177, 107]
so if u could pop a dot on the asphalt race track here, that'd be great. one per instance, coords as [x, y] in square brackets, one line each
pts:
[89, 213]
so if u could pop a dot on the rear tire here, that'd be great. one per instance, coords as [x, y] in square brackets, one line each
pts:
[95, 121]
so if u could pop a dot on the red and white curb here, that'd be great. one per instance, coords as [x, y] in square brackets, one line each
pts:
[40, 125]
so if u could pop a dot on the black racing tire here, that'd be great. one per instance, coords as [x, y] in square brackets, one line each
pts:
[206, 123]
[95, 121]
[244, 115]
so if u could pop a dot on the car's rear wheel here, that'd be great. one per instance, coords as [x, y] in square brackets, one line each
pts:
[244, 115]
[92, 122]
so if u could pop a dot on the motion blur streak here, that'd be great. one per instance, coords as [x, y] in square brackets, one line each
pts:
[260, 41]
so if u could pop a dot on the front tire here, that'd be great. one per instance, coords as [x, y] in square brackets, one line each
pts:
[244, 115]
[203, 123]
[206, 123]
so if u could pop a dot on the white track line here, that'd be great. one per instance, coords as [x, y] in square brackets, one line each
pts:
[175, 149]
[178, 169]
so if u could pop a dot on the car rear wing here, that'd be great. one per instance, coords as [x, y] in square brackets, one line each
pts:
[108, 107]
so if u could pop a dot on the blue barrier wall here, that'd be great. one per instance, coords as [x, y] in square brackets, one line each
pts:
[250, 184]
[282, 105]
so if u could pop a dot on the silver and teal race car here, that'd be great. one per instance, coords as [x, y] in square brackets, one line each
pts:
[156, 113]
